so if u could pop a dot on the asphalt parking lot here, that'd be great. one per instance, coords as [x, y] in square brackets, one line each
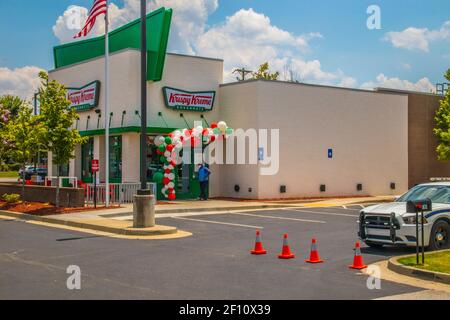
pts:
[214, 263]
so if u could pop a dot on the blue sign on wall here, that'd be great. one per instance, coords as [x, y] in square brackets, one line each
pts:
[330, 153]
[261, 154]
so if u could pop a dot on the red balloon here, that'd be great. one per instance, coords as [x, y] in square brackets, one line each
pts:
[172, 196]
[169, 147]
[205, 132]
[173, 163]
[166, 180]
[181, 138]
[167, 171]
[213, 138]
[213, 125]
[159, 152]
[171, 190]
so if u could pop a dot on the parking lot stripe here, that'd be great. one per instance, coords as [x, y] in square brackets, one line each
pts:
[218, 222]
[281, 218]
[324, 213]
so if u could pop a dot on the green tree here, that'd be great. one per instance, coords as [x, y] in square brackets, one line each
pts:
[11, 103]
[24, 134]
[264, 73]
[58, 118]
[442, 129]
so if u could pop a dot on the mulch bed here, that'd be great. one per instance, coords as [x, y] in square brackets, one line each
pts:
[45, 209]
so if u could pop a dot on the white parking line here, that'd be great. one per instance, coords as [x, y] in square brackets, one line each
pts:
[218, 222]
[281, 218]
[324, 213]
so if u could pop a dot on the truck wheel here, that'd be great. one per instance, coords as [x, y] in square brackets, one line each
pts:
[374, 245]
[439, 237]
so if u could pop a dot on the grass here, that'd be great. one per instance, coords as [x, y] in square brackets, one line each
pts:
[436, 261]
[9, 174]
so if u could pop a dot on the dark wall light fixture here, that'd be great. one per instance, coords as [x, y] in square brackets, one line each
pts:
[123, 116]
[359, 187]
[137, 113]
[110, 117]
[282, 189]
[87, 122]
[160, 114]
[187, 124]
[323, 188]
[206, 121]
[237, 188]
[393, 186]
[98, 118]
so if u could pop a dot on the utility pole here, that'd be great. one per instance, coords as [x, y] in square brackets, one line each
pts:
[242, 73]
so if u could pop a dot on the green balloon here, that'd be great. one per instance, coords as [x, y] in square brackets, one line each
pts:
[216, 130]
[158, 177]
[162, 148]
[163, 159]
[168, 140]
[229, 131]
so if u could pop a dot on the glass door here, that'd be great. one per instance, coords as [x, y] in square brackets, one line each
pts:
[115, 159]
[87, 155]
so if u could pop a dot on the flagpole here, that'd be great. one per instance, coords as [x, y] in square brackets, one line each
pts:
[106, 116]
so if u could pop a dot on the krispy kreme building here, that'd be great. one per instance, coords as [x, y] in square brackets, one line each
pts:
[331, 141]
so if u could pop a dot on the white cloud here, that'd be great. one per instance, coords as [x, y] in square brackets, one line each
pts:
[22, 82]
[188, 22]
[417, 38]
[382, 81]
[247, 39]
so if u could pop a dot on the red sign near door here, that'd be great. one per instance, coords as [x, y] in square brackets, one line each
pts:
[95, 165]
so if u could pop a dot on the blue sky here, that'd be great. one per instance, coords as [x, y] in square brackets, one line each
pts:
[345, 53]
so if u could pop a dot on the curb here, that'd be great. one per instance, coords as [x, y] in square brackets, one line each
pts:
[395, 266]
[83, 225]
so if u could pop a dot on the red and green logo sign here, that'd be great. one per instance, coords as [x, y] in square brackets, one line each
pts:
[84, 98]
[185, 100]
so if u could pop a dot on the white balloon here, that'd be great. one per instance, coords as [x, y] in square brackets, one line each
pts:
[222, 126]
[171, 176]
[167, 154]
[166, 175]
[170, 167]
[177, 133]
[171, 185]
[159, 140]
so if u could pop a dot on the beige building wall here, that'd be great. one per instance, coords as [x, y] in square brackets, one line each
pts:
[367, 131]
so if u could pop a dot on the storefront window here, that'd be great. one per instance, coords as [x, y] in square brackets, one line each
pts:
[115, 159]
[153, 159]
[87, 155]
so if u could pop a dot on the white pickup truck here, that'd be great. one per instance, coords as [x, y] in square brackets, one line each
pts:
[390, 224]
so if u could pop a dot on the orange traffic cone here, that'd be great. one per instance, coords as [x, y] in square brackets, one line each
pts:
[358, 260]
[314, 256]
[259, 249]
[286, 251]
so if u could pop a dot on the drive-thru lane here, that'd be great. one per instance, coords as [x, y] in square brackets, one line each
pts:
[214, 263]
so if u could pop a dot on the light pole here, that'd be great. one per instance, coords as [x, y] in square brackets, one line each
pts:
[143, 137]
[143, 202]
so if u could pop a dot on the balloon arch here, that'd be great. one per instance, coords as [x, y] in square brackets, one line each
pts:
[169, 147]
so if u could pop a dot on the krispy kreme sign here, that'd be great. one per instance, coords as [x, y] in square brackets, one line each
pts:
[84, 98]
[185, 100]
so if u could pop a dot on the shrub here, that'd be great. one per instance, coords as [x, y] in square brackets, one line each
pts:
[11, 198]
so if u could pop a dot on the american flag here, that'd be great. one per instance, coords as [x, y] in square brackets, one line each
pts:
[99, 7]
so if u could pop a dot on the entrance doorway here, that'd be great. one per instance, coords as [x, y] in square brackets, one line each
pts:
[186, 182]
[115, 159]
[87, 155]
